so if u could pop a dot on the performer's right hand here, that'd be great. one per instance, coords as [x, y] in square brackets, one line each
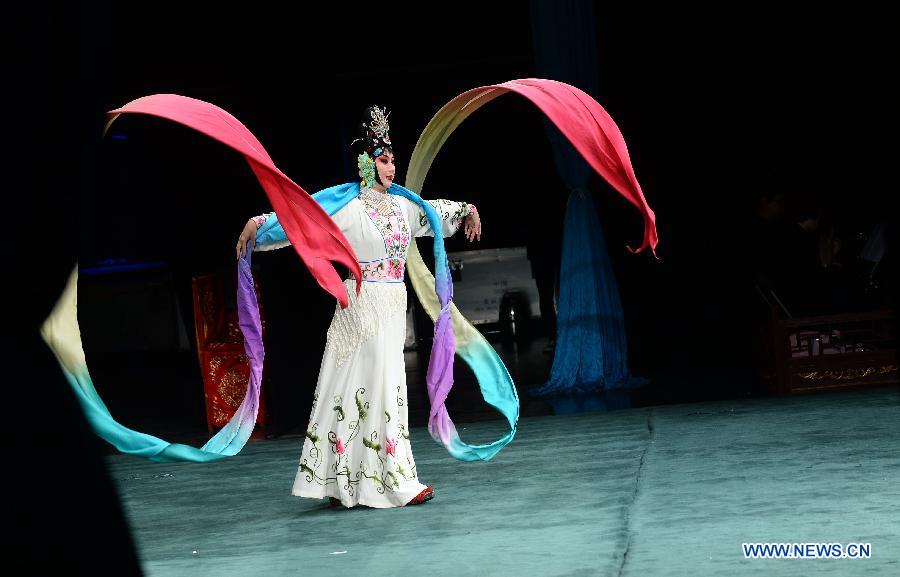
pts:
[248, 234]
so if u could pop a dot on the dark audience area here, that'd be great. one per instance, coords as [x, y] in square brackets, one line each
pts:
[816, 254]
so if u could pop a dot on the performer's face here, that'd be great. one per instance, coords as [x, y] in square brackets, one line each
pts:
[385, 166]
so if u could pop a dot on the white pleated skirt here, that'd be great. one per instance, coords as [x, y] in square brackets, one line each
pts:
[357, 442]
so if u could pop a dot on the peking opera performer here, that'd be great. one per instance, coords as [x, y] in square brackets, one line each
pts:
[357, 449]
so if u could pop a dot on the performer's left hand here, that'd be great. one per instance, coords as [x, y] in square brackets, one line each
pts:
[472, 224]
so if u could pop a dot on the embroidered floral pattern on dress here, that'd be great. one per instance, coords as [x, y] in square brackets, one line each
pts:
[387, 215]
[337, 469]
[261, 219]
[451, 213]
[384, 270]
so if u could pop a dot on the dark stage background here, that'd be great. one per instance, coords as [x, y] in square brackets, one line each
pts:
[717, 106]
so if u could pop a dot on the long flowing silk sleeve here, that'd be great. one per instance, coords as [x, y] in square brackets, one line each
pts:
[595, 136]
[315, 237]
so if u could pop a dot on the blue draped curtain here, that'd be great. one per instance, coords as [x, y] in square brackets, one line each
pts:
[591, 349]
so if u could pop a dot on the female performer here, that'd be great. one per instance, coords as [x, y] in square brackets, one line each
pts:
[357, 447]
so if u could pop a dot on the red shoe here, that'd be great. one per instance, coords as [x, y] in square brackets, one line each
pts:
[426, 495]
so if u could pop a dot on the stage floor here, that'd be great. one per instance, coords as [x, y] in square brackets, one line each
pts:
[668, 490]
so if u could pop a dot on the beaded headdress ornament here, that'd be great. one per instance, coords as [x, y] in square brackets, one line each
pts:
[377, 135]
